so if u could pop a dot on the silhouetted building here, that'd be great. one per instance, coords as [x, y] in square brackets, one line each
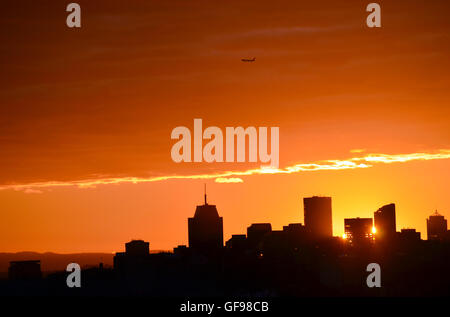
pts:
[256, 233]
[436, 227]
[25, 270]
[384, 219]
[237, 242]
[318, 216]
[358, 230]
[447, 236]
[294, 228]
[134, 260]
[205, 229]
[295, 234]
[408, 239]
[273, 242]
[137, 247]
[181, 250]
[409, 235]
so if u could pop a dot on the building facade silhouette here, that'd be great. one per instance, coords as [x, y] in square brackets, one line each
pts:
[237, 242]
[318, 216]
[134, 260]
[358, 231]
[385, 223]
[256, 233]
[137, 247]
[436, 227]
[409, 235]
[205, 229]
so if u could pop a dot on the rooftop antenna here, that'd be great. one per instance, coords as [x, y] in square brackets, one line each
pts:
[205, 195]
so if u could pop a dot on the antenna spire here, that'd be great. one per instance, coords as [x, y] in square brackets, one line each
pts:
[205, 195]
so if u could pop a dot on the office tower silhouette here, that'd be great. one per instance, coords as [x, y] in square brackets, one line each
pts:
[24, 270]
[436, 227]
[384, 219]
[358, 230]
[205, 229]
[318, 216]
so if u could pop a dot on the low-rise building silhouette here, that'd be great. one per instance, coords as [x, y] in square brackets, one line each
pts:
[237, 242]
[134, 260]
[409, 235]
[181, 250]
[137, 247]
[19, 270]
[256, 233]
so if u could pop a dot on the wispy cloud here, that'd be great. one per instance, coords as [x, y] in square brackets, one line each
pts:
[30, 190]
[228, 180]
[357, 150]
[233, 176]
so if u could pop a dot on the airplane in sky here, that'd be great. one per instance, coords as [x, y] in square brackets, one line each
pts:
[248, 60]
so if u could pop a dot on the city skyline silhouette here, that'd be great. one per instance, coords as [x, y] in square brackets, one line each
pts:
[300, 259]
[324, 203]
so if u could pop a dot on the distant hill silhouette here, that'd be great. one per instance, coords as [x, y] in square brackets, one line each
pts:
[51, 262]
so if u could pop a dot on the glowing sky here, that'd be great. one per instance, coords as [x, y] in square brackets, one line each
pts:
[86, 115]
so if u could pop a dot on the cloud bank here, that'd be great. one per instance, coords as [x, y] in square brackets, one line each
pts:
[367, 161]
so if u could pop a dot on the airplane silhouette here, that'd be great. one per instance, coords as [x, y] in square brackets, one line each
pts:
[248, 60]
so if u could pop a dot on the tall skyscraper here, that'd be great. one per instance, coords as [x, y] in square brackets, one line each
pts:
[317, 215]
[436, 227]
[385, 223]
[205, 229]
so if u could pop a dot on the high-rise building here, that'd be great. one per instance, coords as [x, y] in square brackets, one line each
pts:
[205, 229]
[385, 225]
[358, 230]
[317, 215]
[436, 227]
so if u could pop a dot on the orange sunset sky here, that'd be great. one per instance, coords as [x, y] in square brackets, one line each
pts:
[86, 115]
